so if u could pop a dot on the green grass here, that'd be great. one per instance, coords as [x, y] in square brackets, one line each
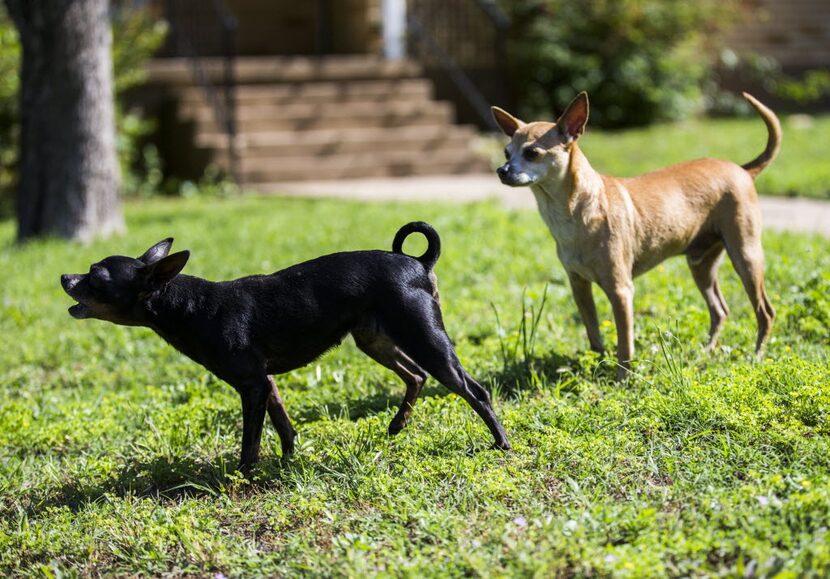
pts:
[802, 168]
[116, 453]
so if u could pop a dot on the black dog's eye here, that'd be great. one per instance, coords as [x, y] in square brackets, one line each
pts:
[98, 276]
[531, 154]
[507, 153]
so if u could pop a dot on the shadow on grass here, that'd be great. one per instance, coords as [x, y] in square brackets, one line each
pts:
[357, 408]
[550, 371]
[165, 479]
[159, 478]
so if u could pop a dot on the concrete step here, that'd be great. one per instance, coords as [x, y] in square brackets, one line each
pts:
[373, 164]
[302, 111]
[339, 117]
[274, 69]
[306, 118]
[193, 98]
[333, 141]
[449, 167]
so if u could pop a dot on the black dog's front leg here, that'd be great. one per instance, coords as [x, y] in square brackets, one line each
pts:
[254, 396]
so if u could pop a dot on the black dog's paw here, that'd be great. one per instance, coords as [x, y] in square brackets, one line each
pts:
[287, 449]
[244, 468]
[396, 425]
[287, 443]
[502, 445]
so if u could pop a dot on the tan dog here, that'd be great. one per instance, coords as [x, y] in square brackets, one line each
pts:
[609, 230]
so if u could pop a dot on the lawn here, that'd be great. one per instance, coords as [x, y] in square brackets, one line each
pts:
[802, 168]
[117, 453]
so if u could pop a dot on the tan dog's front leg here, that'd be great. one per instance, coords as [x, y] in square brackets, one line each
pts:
[584, 298]
[621, 296]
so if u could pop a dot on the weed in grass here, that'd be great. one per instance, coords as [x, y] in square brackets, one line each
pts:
[519, 367]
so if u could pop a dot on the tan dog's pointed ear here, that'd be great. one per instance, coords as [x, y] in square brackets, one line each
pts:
[572, 122]
[506, 122]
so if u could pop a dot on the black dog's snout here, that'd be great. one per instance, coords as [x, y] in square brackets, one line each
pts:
[503, 171]
[68, 281]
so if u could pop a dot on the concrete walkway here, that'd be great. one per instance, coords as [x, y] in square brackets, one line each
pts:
[780, 213]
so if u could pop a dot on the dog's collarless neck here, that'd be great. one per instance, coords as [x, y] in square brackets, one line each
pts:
[562, 199]
[160, 303]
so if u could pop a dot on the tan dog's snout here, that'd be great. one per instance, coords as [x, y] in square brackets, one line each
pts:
[511, 177]
[514, 178]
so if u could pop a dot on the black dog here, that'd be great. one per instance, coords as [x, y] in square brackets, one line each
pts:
[249, 328]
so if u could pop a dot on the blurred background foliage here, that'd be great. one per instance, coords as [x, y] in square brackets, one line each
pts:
[137, 35]
[641, 61]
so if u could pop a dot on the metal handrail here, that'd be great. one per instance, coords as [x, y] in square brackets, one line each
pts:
[500, 20]
[222, 99]
[455, 72]
[450, 65]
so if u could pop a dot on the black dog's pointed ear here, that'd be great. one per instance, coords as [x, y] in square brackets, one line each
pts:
[572, 122]
[159, 250]
[506, 122]
[165, 269]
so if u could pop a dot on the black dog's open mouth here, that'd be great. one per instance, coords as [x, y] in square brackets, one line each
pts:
[79, 311]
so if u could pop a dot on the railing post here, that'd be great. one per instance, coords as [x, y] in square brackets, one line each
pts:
[323, 27]
[188, 41]
[394, 29]
[229, 39]
[433, 27]
[172, 16]
[501, 64]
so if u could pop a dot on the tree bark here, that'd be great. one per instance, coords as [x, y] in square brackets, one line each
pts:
[69, 177]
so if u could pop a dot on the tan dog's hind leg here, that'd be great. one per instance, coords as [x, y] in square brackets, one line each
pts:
[705, 273]
[747, 256]
[581, 289]
[721, 298]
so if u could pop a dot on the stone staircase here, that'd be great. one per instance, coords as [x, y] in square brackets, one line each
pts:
[305, 118]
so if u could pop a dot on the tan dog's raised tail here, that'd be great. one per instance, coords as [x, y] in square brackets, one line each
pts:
[609, 230]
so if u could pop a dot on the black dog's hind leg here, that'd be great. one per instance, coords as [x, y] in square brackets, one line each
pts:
[280, 420]
[453, 375]
[417, 329]
[378, 346]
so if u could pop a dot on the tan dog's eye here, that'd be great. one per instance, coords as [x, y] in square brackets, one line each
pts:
[531, 154]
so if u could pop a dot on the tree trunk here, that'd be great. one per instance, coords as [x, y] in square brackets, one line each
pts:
[69, 177]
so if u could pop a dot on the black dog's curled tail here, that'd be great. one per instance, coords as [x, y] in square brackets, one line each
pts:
[433, 252]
